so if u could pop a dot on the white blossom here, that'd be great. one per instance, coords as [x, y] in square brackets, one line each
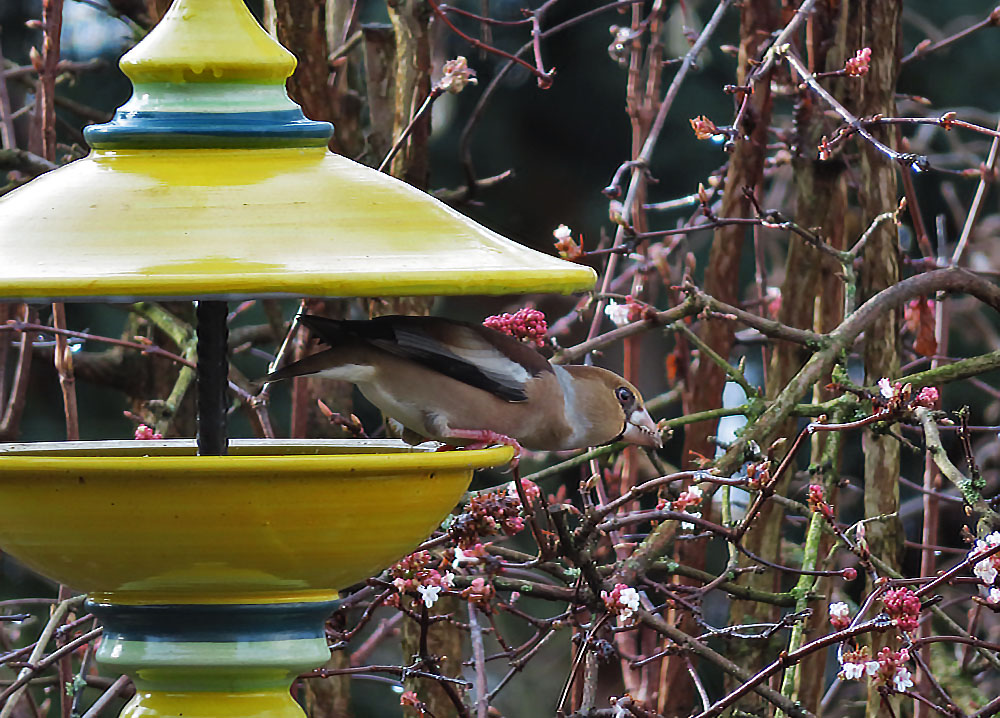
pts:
[986, 571]
[562, 232]
[448, 579]
[456, 75]
[840, 610]
[688, 524]
[903, 679]
[629, 598]
[871, 667]
[853, 671]
[885, 388]
[429, 594]
[617, 313]
[985, 544]
[694, 491]
[461, 557]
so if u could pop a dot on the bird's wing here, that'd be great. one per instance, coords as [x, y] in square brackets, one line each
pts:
[469, 353]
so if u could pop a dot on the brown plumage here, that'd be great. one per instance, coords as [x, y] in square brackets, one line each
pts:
[456, 382]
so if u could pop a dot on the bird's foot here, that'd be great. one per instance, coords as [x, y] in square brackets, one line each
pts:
[484, 437]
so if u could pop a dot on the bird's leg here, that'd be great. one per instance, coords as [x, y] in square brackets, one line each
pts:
[484, 437]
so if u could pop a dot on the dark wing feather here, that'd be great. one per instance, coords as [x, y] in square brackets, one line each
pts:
[469, 353]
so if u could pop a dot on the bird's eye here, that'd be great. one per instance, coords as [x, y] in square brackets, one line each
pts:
[624, 395]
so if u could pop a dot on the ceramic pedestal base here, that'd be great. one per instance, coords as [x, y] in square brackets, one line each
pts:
[213, 661]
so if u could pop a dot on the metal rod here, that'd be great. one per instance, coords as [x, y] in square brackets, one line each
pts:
[213, 378]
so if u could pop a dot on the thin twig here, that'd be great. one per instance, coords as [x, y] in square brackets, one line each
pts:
[479, 658]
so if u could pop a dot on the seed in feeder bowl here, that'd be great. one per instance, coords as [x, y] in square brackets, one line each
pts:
[464, 383]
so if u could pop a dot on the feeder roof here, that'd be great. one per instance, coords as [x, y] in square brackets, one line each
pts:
[210, 183]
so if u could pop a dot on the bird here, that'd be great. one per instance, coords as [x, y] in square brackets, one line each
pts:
[469, 385]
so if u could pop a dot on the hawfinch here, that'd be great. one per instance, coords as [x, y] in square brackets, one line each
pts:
[459, 383]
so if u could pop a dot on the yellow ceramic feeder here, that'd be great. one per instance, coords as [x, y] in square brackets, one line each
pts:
[213, 574]
[210, 183]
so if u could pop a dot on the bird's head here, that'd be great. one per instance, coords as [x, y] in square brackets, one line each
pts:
[614, 408]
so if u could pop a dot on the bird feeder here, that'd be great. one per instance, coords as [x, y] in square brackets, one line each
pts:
[213, 566]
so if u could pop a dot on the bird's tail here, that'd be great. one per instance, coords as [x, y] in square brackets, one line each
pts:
[331, 331]
[302, 367]
[341, 335]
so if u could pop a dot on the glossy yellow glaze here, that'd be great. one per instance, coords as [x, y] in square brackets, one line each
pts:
[138, 522]
[207, 41]
[238, 223]
[211, 704]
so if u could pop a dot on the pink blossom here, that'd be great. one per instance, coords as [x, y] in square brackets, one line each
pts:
[144, 433]
[817, 502]
[928, 397]
[854, 665]
[456, 75]
[691, 496]
[622, 601]
[903, 607]
[840, 615]
[525, 324]
[860, 63]
[479, 591]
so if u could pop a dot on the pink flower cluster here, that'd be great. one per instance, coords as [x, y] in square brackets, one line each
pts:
[691, 496]
[860, 63]
[888, 669]
[903, 607]
[144, 433]
[818, 504]
[525, 324]
[492, 513]
[412, 575]
[928, 397]
[409, 698]
[479, 592]
[840, 615]
[622, 601]
[531, 490]
[891, 669]
[894, 395]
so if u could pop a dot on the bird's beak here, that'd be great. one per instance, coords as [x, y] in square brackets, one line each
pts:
[642, 430]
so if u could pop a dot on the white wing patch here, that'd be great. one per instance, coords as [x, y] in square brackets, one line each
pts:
[494, 365]
[486, 358]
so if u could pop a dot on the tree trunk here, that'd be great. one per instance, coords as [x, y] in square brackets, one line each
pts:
[746, 170]
[411, 23]
[812, 298]
[876, 24]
